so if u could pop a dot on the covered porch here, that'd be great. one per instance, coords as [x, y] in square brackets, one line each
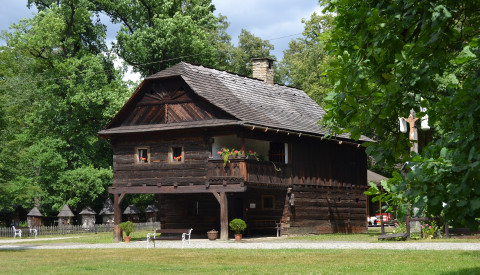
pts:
[218, 191]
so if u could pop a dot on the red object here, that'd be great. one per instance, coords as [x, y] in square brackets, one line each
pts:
[386, 217]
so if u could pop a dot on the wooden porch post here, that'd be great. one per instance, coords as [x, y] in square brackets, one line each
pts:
[117, 218]
[222, 200]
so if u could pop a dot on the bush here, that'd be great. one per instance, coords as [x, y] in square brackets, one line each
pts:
[237, 226]
[127, 227]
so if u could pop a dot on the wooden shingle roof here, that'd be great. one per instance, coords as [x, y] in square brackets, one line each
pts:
[87, 211]
[107, 208]
[251, 102]
[65, 212]
[35, 212]
[131, 209]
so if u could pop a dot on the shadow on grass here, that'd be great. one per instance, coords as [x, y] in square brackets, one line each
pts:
[472, 270]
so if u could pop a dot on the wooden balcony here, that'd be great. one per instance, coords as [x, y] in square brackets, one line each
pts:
[249, 172]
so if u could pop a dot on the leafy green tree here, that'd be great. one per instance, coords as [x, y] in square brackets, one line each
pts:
[61, 93]
[222, 42]
[306, 59]
[249, 46]
[394, 56]
[156, 34]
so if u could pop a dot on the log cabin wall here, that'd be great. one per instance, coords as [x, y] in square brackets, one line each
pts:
[160, 170]
[198, 211]
[262, 218]
[328, 209]
[328, 184]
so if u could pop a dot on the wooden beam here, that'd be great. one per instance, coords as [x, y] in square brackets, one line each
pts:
[117, 217]
[223, 201]
[223, 216]
[176, 190]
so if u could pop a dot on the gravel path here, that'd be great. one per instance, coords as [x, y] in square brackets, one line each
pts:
[250, 244]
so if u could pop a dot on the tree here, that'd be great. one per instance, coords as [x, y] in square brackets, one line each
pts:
[61, 93]
[395, 56]
[306, 59]
[249, 46]
[157, 34]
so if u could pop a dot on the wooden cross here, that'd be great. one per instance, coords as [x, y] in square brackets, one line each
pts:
[413, 131]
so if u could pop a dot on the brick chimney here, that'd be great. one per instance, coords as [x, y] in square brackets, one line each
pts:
[262, 69]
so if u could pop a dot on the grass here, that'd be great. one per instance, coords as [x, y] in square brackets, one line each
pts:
[232, 261]
[370, 236]
[90, 238]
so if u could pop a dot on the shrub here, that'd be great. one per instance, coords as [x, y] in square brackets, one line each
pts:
[237, 226]
[127, 227]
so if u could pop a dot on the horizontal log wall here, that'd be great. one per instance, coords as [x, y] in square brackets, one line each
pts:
[179, 211]
[328, 164]
[160, 171]
[328, 210]
[261, 221]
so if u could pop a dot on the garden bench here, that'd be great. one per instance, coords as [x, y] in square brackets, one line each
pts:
[173, 234]
[16, 232]
[392, 236]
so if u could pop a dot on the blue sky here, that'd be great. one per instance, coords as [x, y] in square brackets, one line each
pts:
[267, 19]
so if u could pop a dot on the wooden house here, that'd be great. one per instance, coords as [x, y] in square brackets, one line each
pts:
[107, 212]
[34, 217]
[65, 216]
[166, 140]
[87, 217]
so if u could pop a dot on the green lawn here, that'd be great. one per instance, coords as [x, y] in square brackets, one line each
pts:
[236, 261]
[371, 236]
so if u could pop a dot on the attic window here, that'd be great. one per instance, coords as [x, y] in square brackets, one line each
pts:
[142, 155]
[176, 155]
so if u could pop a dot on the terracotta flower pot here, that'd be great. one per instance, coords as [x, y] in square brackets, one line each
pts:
[127, 239]
[238, 237]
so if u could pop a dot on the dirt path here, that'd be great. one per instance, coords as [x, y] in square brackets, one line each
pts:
[251, 244]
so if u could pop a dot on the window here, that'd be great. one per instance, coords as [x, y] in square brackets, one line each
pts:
[142, 155]
[268, 202]
[277, 152]
[176, 155]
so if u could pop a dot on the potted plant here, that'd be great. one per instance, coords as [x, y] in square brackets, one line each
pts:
[128, 227]
[212, 234]
[226, 153]
[237, 226]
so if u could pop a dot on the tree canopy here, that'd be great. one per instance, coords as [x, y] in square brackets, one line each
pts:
[155, 34]
[394, 56]
[306, 59]
[60, 88]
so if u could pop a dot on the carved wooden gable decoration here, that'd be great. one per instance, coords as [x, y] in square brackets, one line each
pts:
[169, 101]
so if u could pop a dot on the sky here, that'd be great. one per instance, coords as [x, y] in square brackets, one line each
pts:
[278, 21]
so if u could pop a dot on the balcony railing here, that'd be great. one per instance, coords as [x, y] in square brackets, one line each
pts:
[249, 171]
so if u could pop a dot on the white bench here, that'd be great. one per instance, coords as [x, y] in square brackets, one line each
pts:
[17, 232]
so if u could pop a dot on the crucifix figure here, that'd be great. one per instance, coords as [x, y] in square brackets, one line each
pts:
[413, 130]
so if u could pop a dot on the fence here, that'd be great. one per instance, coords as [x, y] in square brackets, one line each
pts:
[73, 229]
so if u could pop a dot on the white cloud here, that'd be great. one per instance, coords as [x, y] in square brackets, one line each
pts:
[128, 73]
[267, 19]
